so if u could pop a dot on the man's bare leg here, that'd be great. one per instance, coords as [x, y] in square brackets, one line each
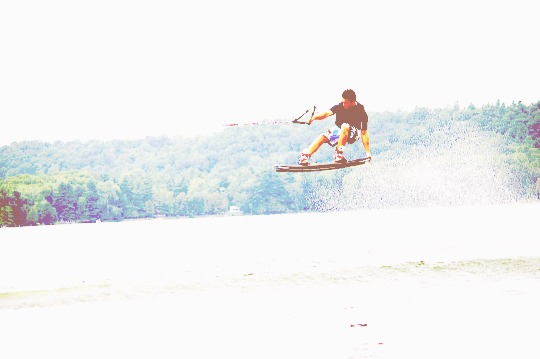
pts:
[344, 135]
[316, 144]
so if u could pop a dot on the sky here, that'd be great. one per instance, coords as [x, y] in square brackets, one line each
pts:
[116, 69]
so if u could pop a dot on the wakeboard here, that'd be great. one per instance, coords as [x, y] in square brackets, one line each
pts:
[321, 166]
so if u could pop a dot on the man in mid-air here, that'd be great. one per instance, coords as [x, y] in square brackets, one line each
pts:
[351, 123]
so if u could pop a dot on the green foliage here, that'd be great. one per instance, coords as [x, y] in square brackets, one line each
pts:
[158, 176]
[268, 195]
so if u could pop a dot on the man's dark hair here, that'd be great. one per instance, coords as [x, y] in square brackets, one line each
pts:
[349, 95]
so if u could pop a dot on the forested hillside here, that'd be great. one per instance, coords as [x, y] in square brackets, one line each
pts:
[46, 183]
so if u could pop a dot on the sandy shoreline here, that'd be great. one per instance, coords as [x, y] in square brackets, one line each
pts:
[466, 286]
[482, 270]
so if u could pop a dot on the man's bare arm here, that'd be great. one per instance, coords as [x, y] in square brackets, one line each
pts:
[321, 116]
[365, 142]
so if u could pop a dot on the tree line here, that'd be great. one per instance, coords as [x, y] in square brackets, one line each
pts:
[47, 183]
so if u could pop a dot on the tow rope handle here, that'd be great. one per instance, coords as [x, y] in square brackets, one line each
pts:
[297, 120]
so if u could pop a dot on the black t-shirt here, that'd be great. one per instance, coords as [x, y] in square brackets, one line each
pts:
[355, 115]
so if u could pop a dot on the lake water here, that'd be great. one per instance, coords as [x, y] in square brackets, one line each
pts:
[431, 282]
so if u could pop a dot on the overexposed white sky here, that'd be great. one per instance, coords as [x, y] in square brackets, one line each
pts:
[104, 69]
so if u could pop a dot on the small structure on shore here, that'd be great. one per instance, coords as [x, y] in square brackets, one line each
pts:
[235, 211]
